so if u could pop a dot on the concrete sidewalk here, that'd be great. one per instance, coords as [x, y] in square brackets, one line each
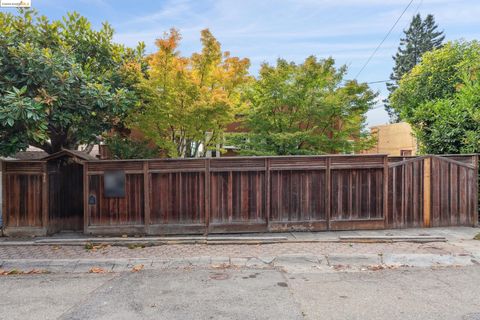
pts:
[292, 263]
[389, 235]
[299, 252]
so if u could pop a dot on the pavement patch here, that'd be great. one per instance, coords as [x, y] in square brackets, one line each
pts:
[426, 260]
[298, 263]
[354, 260]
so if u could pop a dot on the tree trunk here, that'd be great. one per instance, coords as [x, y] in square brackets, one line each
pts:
[59, 142]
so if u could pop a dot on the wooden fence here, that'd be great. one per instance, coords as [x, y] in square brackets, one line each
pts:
[255, 194]
[43, 196]
[24, 196]
[433, 191]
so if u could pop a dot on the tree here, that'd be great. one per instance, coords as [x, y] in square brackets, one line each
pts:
[127, 148]
[440, 98]
[305, 109]
[61, 83]
[420, 37]
[188, 101]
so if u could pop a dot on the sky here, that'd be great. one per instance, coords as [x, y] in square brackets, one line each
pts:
[265, 30]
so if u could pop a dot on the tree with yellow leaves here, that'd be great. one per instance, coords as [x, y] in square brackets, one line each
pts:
[188, 101]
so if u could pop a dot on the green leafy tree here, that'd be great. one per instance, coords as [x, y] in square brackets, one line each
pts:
[126, 148]
[61, 83]
[188, 101]
[440, 98]
[304, 109]
[421, 36]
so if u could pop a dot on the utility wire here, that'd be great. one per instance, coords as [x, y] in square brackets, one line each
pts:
[383, 40]
[409, 76]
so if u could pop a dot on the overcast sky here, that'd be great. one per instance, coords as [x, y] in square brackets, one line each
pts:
[264, 30]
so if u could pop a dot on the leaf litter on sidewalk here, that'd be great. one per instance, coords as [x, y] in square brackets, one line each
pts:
[19, 272]
[137, 267]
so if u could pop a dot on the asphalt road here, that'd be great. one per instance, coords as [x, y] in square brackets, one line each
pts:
[452, 293]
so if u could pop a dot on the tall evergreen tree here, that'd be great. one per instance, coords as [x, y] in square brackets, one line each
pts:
[421, 36]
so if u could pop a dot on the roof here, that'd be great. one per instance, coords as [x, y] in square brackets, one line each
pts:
[80, 155]
[29, 155]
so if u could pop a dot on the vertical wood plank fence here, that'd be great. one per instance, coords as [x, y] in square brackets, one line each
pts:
[24, 204]
[261, 194]
[241, 194]
[433, 191]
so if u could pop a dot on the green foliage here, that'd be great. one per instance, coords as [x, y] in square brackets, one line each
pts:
[421, 36]
[61, 83]
[125, 148]
[440, 98]
[304, 109]
[188, 101]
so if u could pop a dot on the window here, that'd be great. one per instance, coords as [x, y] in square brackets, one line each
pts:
[114, 184]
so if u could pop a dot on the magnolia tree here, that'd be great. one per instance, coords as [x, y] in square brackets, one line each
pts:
[61, 83]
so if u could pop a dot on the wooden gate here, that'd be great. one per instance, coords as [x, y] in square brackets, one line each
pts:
[432, 191]
[25, 207]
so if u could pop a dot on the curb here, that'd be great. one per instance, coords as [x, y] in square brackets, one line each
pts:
[392, 239]
[217, 240]
[289, 263]
[428, 260]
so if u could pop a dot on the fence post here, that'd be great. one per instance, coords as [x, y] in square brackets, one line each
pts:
[4, 196]
[45, 196]
[267, 189]
[207, 196]
[427, 173]
[328, 187]
[85, 197]
[475, 190]
[146, 197]
[385, 192]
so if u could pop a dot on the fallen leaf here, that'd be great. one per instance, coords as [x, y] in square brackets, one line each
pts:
[96, 270]
[101, 246]
[14, 271]
[36, 271]
[137, 268]
[375, 267]
[9, 272]
[338, 267]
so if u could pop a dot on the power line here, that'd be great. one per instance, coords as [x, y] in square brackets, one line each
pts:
[378, 81]
[418, 7]
[383, 40]
[409, 76]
